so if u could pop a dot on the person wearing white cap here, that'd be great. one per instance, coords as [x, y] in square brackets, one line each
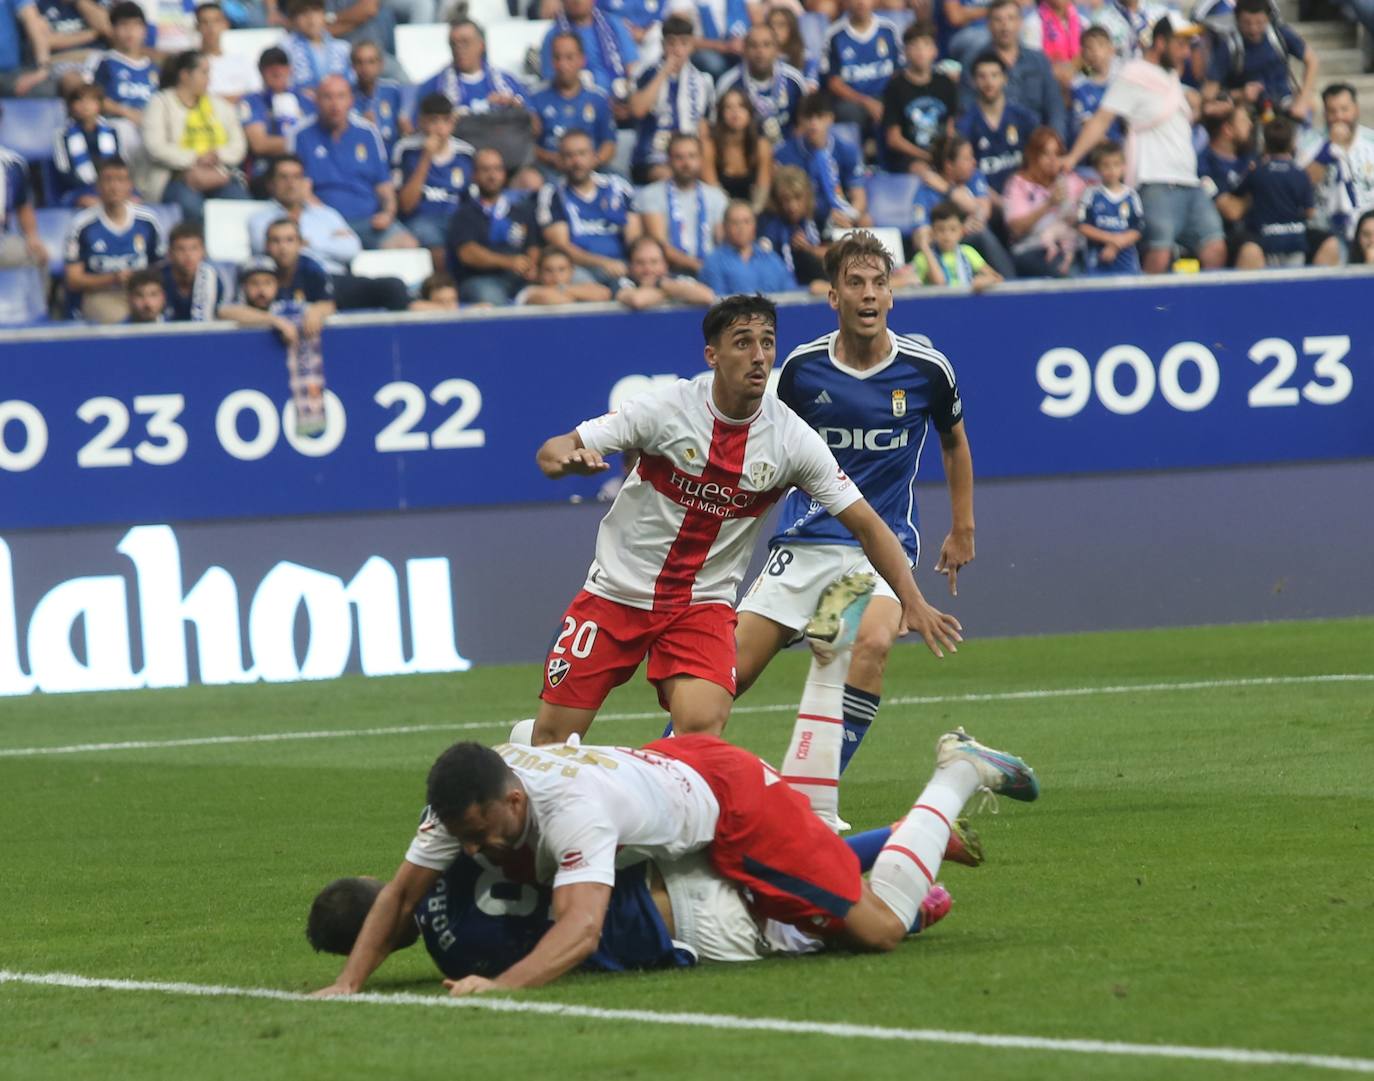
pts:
[1161, 162]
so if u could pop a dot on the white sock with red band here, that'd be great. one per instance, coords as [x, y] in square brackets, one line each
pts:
[906, 867]
[812, 764]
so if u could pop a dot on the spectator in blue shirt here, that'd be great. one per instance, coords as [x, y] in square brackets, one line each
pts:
[834, 166]
[1110, 216]
[348, 168]
[1090, 86]
[375, 99]
[996, 127]
[609, 49]
[432, 171]
[589, 215]
[315, 53]
[968, 19]
[473, 85]
[773, 87]
[16, 205]
[300, 277]
[20, 20]
[1281, 199]
[741, 264]
[862, 51]
[720, 30]
[86, 139]
[1223, 164]
[1030, 81]
[567, 104]
[126, 73]
[192, 288]
[1252, 62]
[490, 236]
[271, 116]
[672, 96]
[108, 243]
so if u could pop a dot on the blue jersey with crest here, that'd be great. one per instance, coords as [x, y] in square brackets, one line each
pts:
[1112, 212]
[875, 422]
[595, 224]
[128, 82]
[863, 60]
[444, 184]
[103, 247]
[999, 149]
[382, 107]
[477, 921]
[588, 110]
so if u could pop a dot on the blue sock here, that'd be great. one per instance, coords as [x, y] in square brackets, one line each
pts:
[860, 708]
[867, 845]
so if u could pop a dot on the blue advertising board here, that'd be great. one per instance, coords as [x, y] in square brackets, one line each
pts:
[182, 427]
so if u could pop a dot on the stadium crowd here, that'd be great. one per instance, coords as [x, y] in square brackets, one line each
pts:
[672, 152]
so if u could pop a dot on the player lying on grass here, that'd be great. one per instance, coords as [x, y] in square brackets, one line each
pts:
[479, 919]
[715, 453]
[580, 811]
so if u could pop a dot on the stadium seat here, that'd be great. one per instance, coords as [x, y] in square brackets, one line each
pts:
[28, 124]
[624, 151]
[226, 228]
[488, 13]
[508, 45]
[54, 223]
[411, 265]
[23, 296]
[892, 199]
[422, 49]
[891, 238]
[251, 43]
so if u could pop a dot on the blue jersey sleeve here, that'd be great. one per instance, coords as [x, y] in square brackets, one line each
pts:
[604, 124]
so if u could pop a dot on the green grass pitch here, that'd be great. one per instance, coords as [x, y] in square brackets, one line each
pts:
[1199, 871]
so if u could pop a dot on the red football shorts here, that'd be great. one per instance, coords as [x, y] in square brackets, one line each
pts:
[769, 840]
[601, 643]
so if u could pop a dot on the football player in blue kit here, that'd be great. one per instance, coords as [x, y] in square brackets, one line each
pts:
[480, 919]
[874, 396]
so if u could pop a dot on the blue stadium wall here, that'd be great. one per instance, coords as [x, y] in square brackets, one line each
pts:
[1148, 455]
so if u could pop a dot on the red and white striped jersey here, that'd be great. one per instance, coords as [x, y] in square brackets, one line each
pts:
[683, 527]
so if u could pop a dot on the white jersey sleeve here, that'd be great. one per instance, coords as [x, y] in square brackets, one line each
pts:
[815, 471]
[631, 427]
[582, 840]
[433, 847]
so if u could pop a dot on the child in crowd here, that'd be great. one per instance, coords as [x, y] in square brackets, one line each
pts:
[314, 52]
[1110, 216]
[788, 224]
[438, 293]
[126, 73]
[836, 167]
[919, 104]
[943, 258]
[1087, 89]
[86, 139]
[556, 285]
[1281, 199]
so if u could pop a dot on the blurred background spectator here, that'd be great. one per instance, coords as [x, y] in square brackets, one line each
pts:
[944, 259]
[271, 116]
[1222, 165]
[1362, 246]
[773, 86]
[720, 27]
[834, 166]
[788, 226]
[147, 301]
[1110, 217]
[1342, 164]
[648, 283]
[23, 29]
[683, 213]
[376, 98]
[1252, 62]
[919, 104]
[738, 158]
[314, 52]
[862, 51]
[192, 288]
[1041, 208]
[489, 236]
[1281, 199]
[125, 73]
[86, 138]
[1030, 83]
[783, 21]
[232, 74]
[438, 293]
[741, 264]
[671, 96]
[587, 214]
[997, 128]
[609, 50]
[957, 178]
[16, 208]
[566, 103]
[555, 284]
[107, 244]
[432, 171]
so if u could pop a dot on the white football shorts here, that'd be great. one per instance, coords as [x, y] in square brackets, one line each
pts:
[791, 582]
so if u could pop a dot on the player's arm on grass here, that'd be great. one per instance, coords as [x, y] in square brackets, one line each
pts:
[390, 915]
[579, 910]
[957, 551]
[939, 629]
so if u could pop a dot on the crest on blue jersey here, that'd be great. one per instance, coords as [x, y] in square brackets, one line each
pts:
[899, 403]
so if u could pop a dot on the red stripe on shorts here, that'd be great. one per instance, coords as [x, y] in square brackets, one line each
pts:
[699, 529]
[913, 857]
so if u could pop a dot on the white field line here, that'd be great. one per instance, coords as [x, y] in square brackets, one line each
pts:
[783, 707]
[724, 1022]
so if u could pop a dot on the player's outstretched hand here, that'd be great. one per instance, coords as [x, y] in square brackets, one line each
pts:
[334, 990]
[955, 554]
[938, 629]
[584, 462]
[470, 985]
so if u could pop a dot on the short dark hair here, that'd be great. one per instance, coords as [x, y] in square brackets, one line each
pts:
[567, 35]
[275, 57]
[944, 211]
[279, 161]
[574, 133]
[209, 5]
[296, 7]
[143, 277]
[684, 137]
[1335, 90]
[1095, 32]
[434, 283]
[358, 46]
[1252, 7]
[645, 238]
[104, 165]
[988, 57]
[127, 11]
[77, 91]
[918, 30]
[1106, 149]
[740, 308]
[462, 21]
[338, 912]
[185, 230]
[295, 225]
[1001, 4]
[1278, 136]
[676, 26]
[858, 246]
[177, 65]
[946, 148]
[817, 103]
[467, 774]
[435, 105]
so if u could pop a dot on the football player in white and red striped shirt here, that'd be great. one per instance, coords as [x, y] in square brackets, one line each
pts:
[715, 453]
